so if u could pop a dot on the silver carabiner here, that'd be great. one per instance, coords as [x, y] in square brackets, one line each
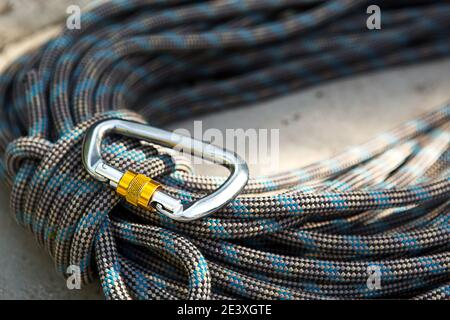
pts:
[141, 191]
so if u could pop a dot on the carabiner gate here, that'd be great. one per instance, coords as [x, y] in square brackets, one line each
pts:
[142, 191]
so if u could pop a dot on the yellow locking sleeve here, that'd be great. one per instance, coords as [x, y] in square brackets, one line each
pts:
[137, 189]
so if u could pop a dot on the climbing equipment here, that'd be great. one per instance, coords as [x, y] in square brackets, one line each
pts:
[314, 232]
[140, 190]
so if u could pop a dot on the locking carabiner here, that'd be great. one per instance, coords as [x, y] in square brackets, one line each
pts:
[142, 191]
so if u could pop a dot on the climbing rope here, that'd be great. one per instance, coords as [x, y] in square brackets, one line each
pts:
[311, 233]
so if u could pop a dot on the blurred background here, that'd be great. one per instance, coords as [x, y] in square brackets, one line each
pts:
[313, 124]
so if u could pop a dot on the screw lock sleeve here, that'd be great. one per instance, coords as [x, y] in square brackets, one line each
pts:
[137, 189]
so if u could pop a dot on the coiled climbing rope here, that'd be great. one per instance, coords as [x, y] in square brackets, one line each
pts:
[310, 233]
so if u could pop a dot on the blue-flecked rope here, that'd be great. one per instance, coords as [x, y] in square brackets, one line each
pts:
[310, 233]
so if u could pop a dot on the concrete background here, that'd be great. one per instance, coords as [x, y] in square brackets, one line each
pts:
[20, 18]
[313, 124]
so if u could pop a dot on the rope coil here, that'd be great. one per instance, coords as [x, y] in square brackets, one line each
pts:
[310, 233]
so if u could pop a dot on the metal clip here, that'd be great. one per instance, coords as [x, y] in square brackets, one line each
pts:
[141, 191]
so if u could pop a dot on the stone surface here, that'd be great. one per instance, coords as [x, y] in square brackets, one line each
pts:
[19, 18]
[313, 124]
[320, 121]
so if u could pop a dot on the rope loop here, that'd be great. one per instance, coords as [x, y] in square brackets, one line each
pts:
[69, 211]
[25, 148]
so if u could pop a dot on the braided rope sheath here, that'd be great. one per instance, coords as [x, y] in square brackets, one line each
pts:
[310, 233]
